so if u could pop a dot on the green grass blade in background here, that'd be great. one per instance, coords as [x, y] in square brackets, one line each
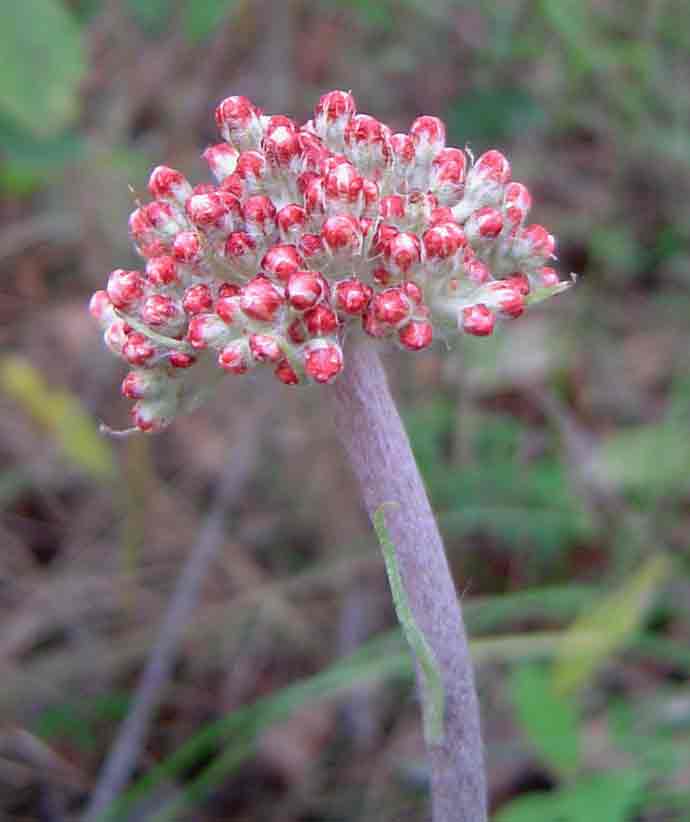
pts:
[607, 627]
[61, 413]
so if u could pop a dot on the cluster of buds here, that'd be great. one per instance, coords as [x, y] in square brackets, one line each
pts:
[309, 232]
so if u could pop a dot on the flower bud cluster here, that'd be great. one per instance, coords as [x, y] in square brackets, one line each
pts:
[310, 231]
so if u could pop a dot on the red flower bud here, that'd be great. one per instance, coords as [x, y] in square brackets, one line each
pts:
[416, 335]
[238, 121]
[391, 307]
[305, 289]
[235, 358]
[442, 241]
[197, 299]
[160, 310]
[392, 208]
[402, 253]
[227, 308]
[259, 215]
[352, 296]
[517, 202]
[291, 220]
[265, 348]
[342, 234]
[187, 248]
[101, 308]
[138, 349]
[222, 160]
[548, 277]
[282, 261]
[485, 223]
[169, 184]
[125, 288]
[207, 330]
[180, 359]
[428, 134]
[323, 361]
[162, 271]
[260, 299]
[320, 320]
[492, 165]
[285, 373]
[477, 320]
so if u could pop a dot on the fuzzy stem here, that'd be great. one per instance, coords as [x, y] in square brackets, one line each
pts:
[374, 438]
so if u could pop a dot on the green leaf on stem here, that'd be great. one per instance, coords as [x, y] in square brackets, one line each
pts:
[433, 700]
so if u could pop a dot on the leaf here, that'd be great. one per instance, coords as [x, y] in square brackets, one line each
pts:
[27, 163]
[647, 459]
[607, 627]
[609, 798]
[433, 698]
[60, 413]
[571, 20]
[199, 20]
[43, 63]
[550, 722]
[493, 115]
[151, 15]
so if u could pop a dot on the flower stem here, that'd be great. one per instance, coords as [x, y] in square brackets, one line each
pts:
[374, 438]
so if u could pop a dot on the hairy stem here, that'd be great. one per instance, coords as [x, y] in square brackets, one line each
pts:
[374, 438]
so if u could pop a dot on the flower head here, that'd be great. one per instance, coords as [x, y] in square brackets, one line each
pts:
[308, 233]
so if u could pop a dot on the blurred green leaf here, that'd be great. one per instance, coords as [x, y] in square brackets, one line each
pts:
[152, 15]
[27, 163]
[86, 10]
[493, 115]
[61, 413]
[550, 722]
[43, 63]
[201, 19]
[375, 13]
[608, 798]
[607, 626]
[572, 21]
[76, 721]
[649, 460]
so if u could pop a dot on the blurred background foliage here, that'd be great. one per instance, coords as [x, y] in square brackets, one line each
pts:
[556, 455]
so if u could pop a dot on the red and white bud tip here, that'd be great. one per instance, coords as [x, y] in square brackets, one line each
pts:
[260, 299]
[416, 335]
[238, 120]
[168, 184]
[222, 160]
[352, 296]
[323, 361]
[477, 320]
[235, 357]
[282, 261]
